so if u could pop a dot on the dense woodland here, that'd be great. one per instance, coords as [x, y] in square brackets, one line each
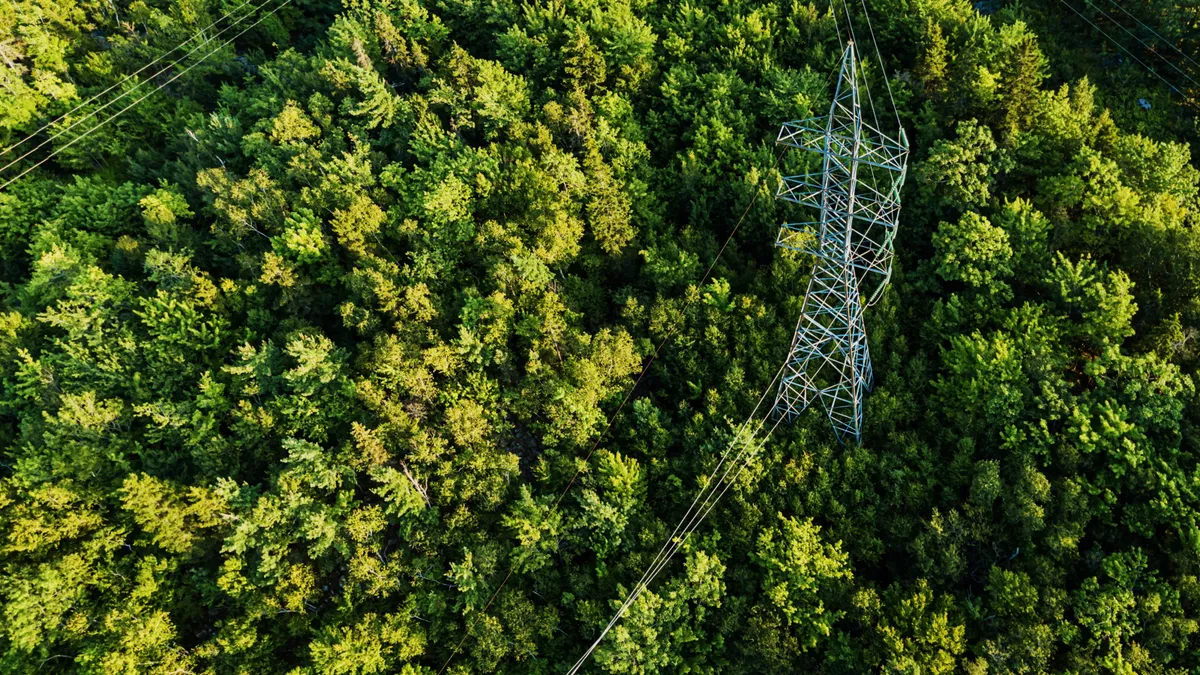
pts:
[298, 353]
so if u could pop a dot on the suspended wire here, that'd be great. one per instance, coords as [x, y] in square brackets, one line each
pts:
[1122, 48]
[710, 502]
[712, 492]
[126, 93]
[882, 68]
[665, 554]
[657, 567]
[854, 43]
[612, 419]
[749, 451]
[866, 83]
[123, 80]
[122, 111]
[1140, 41]
[711, 483]
[837, 28]
[728, 483]
[1156, 33]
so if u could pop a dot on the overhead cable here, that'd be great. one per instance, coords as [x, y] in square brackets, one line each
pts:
[1156, 33]
[119, 83]
[122, 111]
[1143, 43]
[712, 492]
[1122, 48]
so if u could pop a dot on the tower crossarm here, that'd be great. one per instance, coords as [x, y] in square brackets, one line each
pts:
[877, 150]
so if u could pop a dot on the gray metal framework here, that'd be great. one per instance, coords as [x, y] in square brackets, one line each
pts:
[856, 200]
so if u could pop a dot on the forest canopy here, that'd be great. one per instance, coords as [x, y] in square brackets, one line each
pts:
[313, 313]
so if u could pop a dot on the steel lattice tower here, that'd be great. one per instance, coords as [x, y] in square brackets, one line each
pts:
[856, 199]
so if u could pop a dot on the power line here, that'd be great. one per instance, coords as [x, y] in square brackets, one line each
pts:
[710, 503]
[837, 27]
[60, 118]
[660, 564]
[882, 67]
[128, 92]
[684, 531]
[1148, 47]
[144, 97]
[866, 84]
[613, 417]
[1122, 48]
[1156, 33]
[681, 537]
[690, 516]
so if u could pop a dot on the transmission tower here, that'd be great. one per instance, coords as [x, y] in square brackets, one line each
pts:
[855, 202]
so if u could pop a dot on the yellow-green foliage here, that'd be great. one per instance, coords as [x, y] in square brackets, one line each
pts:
[312, 349]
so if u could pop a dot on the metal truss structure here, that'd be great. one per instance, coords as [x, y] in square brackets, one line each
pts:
[855, 200]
